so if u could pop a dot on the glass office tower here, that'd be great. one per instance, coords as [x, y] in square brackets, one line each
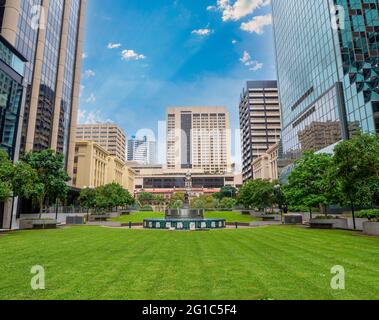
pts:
[327, 64]
[53, 49]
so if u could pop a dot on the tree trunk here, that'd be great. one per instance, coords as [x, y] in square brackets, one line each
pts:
[310, 212]
[353, 213]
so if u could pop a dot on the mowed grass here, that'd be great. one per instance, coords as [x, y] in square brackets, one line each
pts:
[230, 216]
[138, 217]
[264, 263]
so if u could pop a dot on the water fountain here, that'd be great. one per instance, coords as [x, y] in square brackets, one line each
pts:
[185, 218]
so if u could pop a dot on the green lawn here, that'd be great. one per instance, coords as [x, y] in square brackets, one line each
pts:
[138, 217]
[264, 263]
[230, 216]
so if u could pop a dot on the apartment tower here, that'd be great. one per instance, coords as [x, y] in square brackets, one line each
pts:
[49, 34]
[327, 55]
[199, 138]
[108, 135]
[259, 122]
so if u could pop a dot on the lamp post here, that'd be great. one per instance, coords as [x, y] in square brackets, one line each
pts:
[279, 194]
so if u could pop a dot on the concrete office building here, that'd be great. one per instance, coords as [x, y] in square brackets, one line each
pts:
[108, 135]
[327, 68]
[52, 47]
[259, 112]
[199, 138]
[142, 151]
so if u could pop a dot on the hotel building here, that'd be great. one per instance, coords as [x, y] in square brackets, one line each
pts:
[199, 138]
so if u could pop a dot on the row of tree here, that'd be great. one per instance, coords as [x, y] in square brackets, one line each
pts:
[349, 177]
[105, 197]
[37, 176]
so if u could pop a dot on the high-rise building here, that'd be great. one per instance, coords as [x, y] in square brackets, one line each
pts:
[41, 48]
[49, 34]
[108, 135]
[327, 54]
[142, 151]
[199, 138]
[259, 122]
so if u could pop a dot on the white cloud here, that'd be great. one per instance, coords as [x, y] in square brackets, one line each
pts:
[246, 57]
[91, 99]
[202, 32]
[91, 117]
[257, 24]
[234, 41]
[84, 55]
[239, 8]
[132, 55]
[253, 65]
[112, 45]
[81, 90]
[211, 8]
[89, 73]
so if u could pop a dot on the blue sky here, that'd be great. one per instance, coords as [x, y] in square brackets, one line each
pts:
[142, 56]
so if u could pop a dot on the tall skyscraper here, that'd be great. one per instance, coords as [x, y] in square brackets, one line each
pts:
[259, 122]
[199, 138]
[49, 34]
[142, 151]
[108, 135]
[327, 56]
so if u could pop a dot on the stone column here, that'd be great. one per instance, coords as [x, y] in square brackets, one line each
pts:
[76, 92]
[10, 20]
[36, 83]
[60, 75]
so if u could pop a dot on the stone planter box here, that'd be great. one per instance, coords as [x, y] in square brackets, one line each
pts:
[270, 218]
[26, 224]
[293, 219]
[371, 228]
[329, 224]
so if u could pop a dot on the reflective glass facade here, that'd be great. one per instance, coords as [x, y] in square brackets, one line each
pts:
[26, 44]
[322, 100]
[44, 125]
[11, 92]
[68, 81]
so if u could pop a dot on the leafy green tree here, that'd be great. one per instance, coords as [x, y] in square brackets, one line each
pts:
[308, 183]
[51, 172]
[25, 181]
[356, 164]
[112, 196]
[227, 203]
[6, 172]
[198, 203]
[145, 198]
[245, 194]
[257, 194]
[226, 192]
[87, 198]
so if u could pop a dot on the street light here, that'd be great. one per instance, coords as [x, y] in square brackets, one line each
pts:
[279, 194]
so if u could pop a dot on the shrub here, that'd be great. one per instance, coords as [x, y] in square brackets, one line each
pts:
[146, 209]
[372, 214]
